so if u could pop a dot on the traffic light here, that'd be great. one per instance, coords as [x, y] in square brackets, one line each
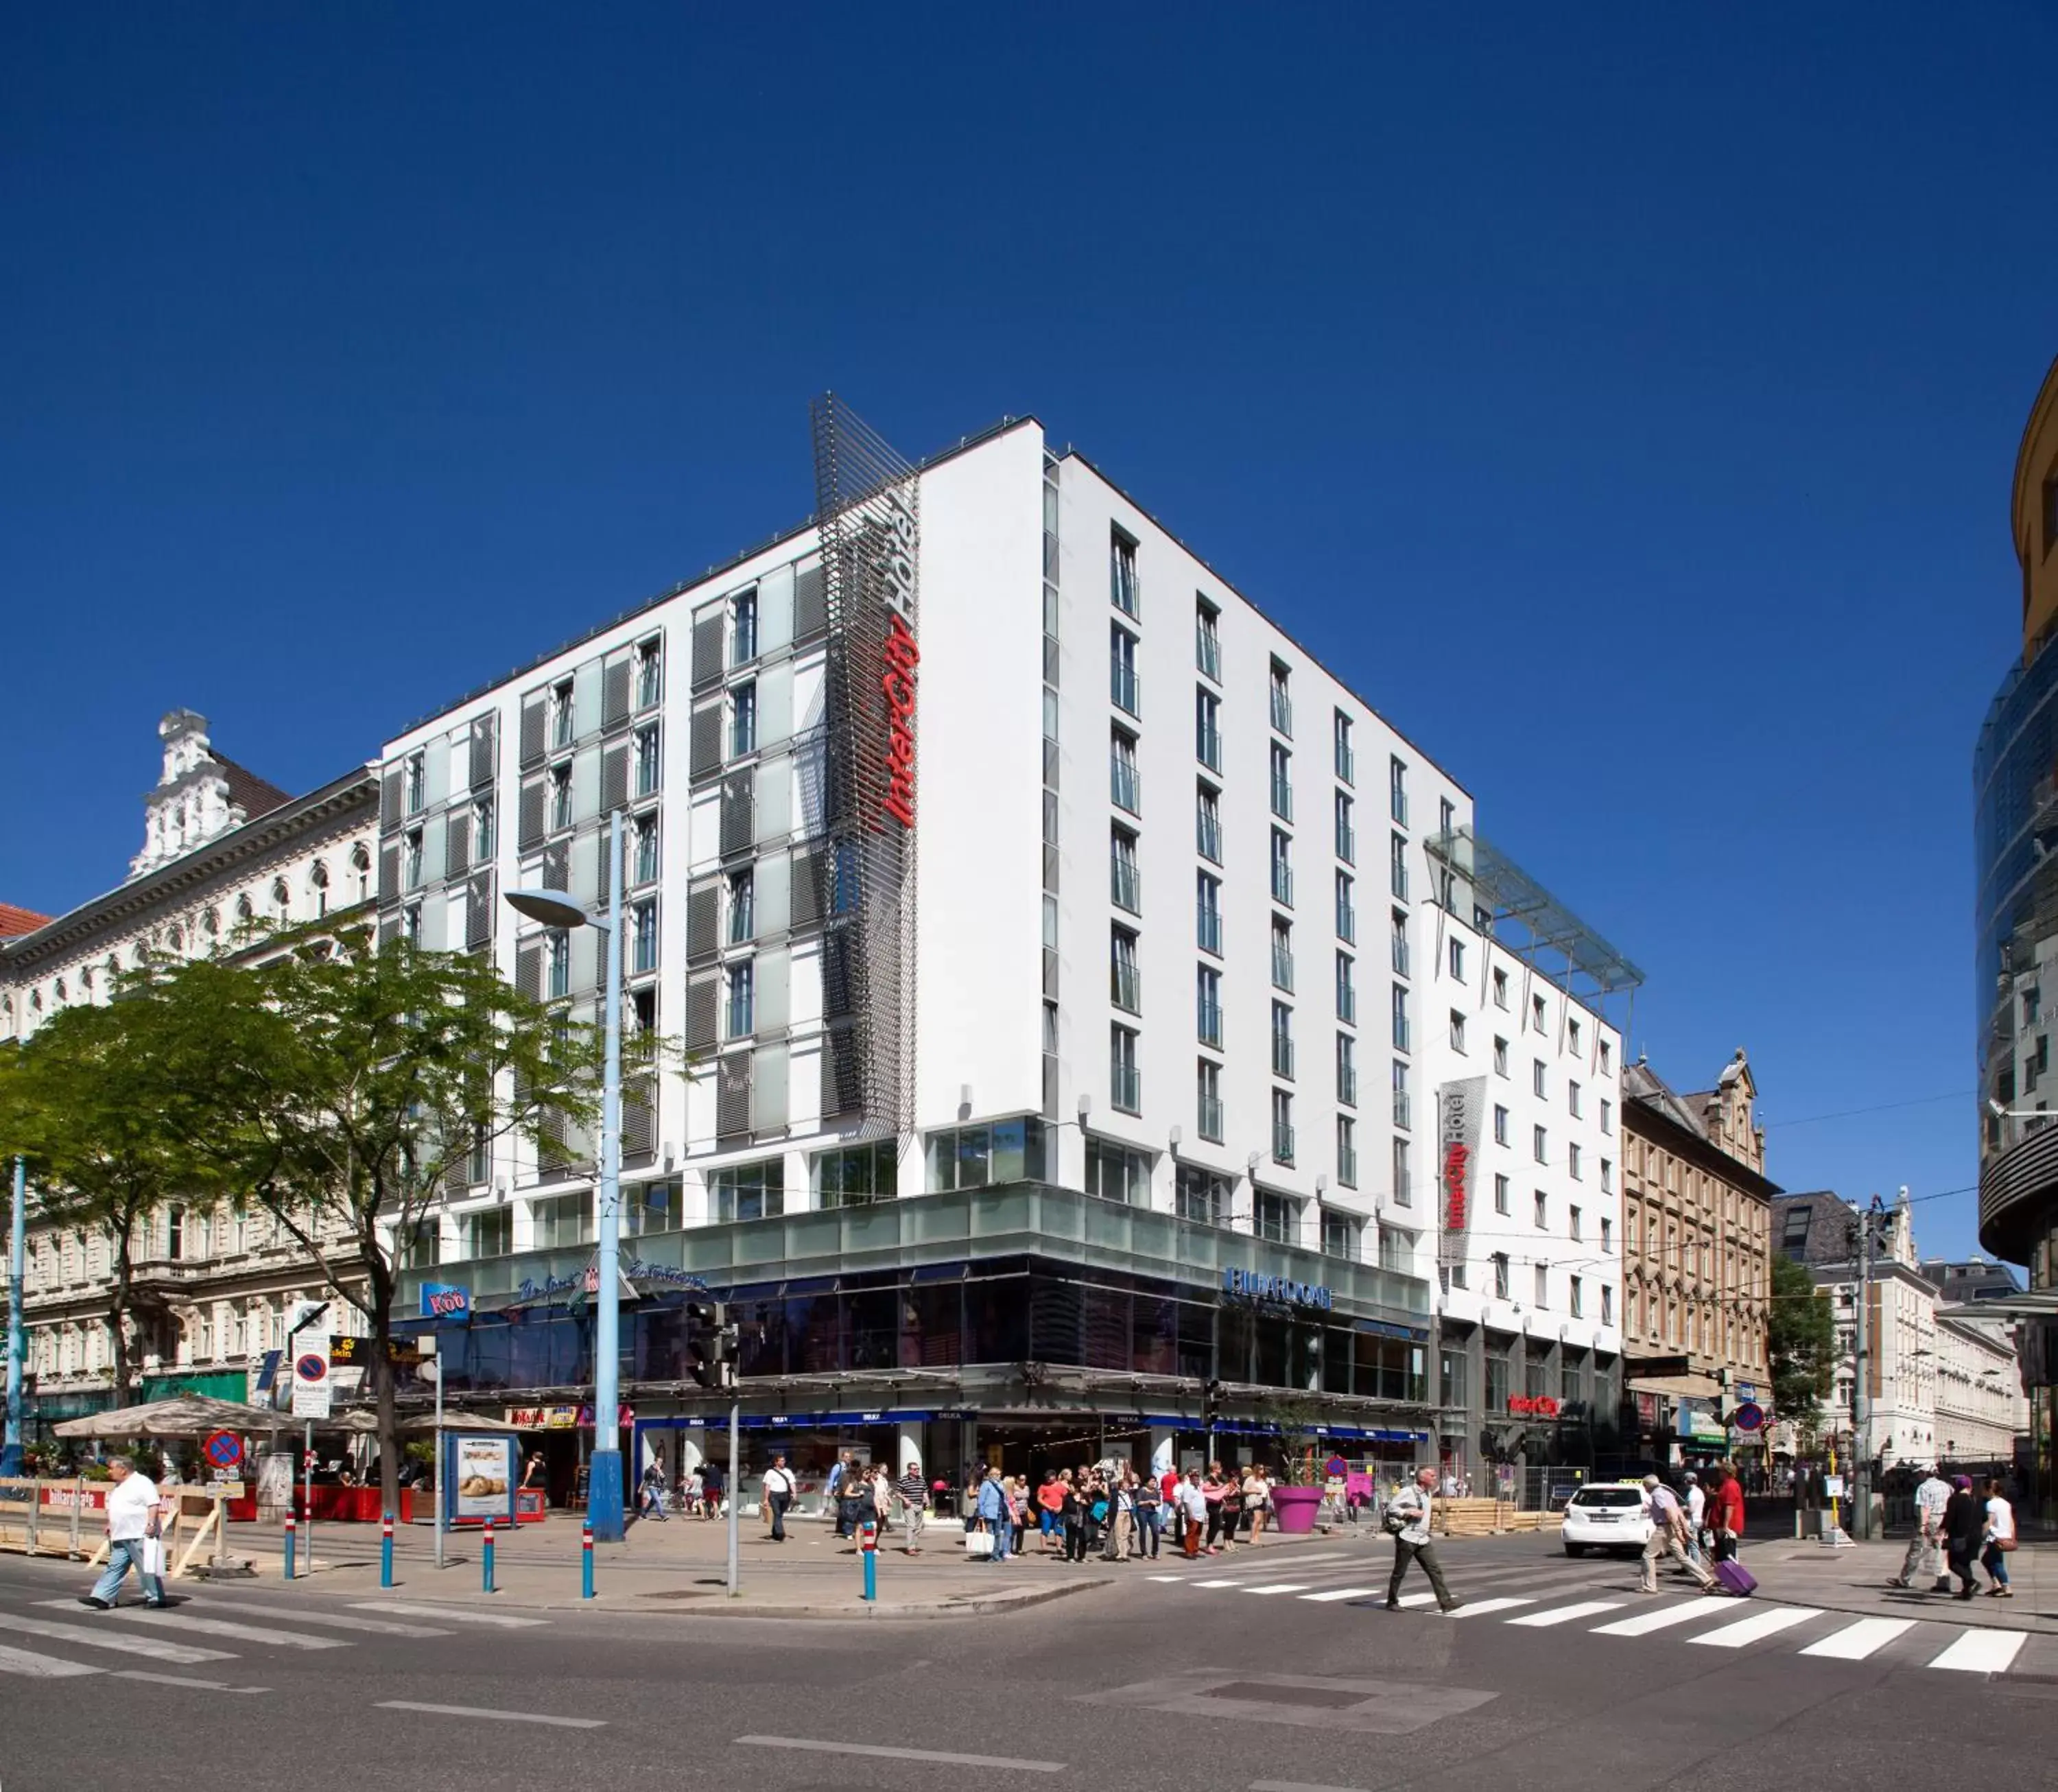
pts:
[1211, 1398]
[711, 1345]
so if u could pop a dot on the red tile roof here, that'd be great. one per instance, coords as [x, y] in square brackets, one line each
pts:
[16, 921]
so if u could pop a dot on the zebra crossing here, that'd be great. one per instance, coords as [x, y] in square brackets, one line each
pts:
[1530, 1595]
[192, 1634]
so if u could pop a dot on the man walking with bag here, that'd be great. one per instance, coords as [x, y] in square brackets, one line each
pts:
[1924, 1555]
[779, 1489]
[1408, 1520]
[1668, 1537]
[134, 1539]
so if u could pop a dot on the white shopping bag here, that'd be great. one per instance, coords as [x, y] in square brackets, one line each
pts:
[154, 1557]
[979, 1543]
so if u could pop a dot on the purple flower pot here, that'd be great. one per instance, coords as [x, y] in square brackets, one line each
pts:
[1293, 1509]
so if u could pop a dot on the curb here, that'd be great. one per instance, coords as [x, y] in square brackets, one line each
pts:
[715, 1605]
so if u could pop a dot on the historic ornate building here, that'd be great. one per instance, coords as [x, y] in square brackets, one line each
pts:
[225, 854]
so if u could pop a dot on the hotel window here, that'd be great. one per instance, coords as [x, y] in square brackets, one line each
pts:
[1207, 912]
[1607, 1304]
[410, 860]
[1121, 572]
[1543, 1273]
[644, 937]
[650, 762]
[561, 1220]
[1346, 1152]
[485, 838]
[1502, 1199]
[1500, 1279]
[1339, 1234]
[1346, 760]
[1404, 1115]
[1607, 1057]
[1396, 786]
[1607, 1177]
[1457, 959]
[1542, 1211]
[1282, 700]
[749, 1190]
[1115, 1173]
[1282, 1126]
[1347, 1069]
[1572, 1219]
[1282, 1040]
[1346, 834]
[1608, 1115]
[1282, 954]
[491, 1233]
[1346, 990]
[1207, 1005]
[417, 783]
[1500, 1057]
[1396, 853]
[1457, 1031]
[1572, 1036]
[1499, 1124]
[974, 1157]
[1404, 1182]
[1123, 787]
[1400, 935]
[650, 1208]
[1536, 1082]
[646, 849]
[1539, 1142]
[1207, 639]
[743, 627]
[1125, 1081]
[1124, 888]
[1201, 1195]
[742, 721]
[1272, 1217]
[650, 675]
[1572, 1099]
[1207, 823]
[561, 714]
[1208, 1086]
[1282, 869]
[558, 963]
[1121, 687]
[1575, 1295]
[1207, 728]
[1573, 1167]
[742, 1000]
[1282, 782]
[1346, 910]
[1607, 1234]
[1538, 1020]
[742, 907]
[1124, 982]
[1400, 1018]
[1447, 816]
[1500, 989]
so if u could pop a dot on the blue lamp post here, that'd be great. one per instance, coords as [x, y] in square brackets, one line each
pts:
[553, 908]
[17, 1336]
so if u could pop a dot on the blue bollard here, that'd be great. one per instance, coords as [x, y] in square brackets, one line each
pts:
[485, 1557]
[385, 1553]
[585, 1563]
[289, 1545]
[868, 1546]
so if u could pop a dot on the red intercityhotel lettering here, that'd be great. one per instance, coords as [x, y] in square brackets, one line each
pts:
[1540, 1406]
[901, 656]
[1456, 1158]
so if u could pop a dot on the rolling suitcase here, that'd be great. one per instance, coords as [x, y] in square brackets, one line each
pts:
[1733, 1577]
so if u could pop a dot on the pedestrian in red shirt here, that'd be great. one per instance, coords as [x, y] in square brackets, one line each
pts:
[1728, 1516]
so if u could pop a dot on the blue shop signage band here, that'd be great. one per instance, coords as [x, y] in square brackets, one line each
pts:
[1242, 1285]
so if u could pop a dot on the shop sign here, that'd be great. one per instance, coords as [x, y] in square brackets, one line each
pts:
[1461, 1107]
[443, 1300]
[559, 1418]
[1532, 1406]
[636, 1270]
[897, 682]
[1244, 1285]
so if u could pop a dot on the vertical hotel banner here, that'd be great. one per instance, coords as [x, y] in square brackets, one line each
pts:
[1461, 1107]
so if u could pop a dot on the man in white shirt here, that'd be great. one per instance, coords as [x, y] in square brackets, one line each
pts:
[1697, 1509]
[1924, 1556]
[1668, 1534]
[133, 1518]
[780, 1488]
[1408, 1518]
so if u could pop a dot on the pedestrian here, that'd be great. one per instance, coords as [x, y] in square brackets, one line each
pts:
[1193, 1512]
[135, 1538]
[651, 1502]
[1668, 1537]
[711, 1485]
[1257, 1499]
[1050, 1513]
[836, 1491]
[2001, 1541]
[1922, 1558]
[914, 1493]
[1212, 1490]
[1697, 1515]
[1017, 1490]
[992, 1509]
[1728, 1516]
[1408, 1519]
[780, 1488]
[1150, 1508]
[1965, 1523]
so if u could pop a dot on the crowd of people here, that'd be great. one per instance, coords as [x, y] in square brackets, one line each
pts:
[1111, 1513]
[1955, 1527]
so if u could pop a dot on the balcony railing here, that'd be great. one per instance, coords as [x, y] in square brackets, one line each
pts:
[1124, 885]
[1282, 968]
[1347, 923]
[1125, 986]
[1123, 787]
[1282, 1056]
[1400, 1036]
[1207, 651]
[1207, 748]
[1282, 1142]
[1401, 955]
[1207, 836]
[1347, 843]
[1347, 1166]
[1210, 1119]
[1121, 687]
[1347, 1085]
[738, 1018]
[1124, 1086]
[1346, 763]
[1347, 1005]
[1121, 583]
[1282, 882]
[1209, 1025]
[1207, 930]
[1399, 881]
[1403, 1113]
[1282, 798]
[1282, 711]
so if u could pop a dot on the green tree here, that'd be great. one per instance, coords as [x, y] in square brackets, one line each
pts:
[349, 1089]
[106, 1103]
[1801, 1345]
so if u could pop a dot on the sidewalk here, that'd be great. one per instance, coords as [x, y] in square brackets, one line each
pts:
[1854, 1579]
[680, 1566]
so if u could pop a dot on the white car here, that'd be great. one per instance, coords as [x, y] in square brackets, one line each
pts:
[1604, 1517]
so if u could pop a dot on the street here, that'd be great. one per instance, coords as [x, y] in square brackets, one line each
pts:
[1264, 1669]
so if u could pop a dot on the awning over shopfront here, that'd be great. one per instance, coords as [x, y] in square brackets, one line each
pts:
[1678, 1387]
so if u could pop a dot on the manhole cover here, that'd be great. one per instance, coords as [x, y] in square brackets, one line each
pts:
[1330, 1698]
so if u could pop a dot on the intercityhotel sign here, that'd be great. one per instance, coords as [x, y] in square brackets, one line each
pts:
[1461, 1107]
[900, 658]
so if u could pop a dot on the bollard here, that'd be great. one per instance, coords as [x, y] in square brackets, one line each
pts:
[585, 1562]
[487, 1556]
[290, 1528]
[867, 1543]
[386, 1552]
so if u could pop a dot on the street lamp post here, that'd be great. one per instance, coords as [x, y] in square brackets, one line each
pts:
[604, 1502]
[17, 1330]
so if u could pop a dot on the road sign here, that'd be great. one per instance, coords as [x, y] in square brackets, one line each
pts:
[311, 1382]
[1750, 1416]
[1334, 1467]
[223, 1449]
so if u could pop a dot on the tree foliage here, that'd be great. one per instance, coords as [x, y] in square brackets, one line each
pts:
[1801, 1345]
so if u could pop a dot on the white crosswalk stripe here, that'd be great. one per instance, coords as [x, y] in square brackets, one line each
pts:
[1337, 1593]
[333, 1620]
[35, 1666]
[102, 1637]
[1855, 1642]
[1409, 1601]
[1664, 1618]
[1982, 1651]
[1482, 1608]
[1566, 1614]
[177, 1621]
[1280, 1587]
[450, 1615]
[1758, 1626]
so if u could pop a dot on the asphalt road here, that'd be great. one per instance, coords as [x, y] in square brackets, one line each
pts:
[1282, 1681]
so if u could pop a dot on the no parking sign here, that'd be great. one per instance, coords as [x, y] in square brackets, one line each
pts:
[223, 1449]
[311, 1382]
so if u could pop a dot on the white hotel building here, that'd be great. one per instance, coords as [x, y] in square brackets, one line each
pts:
[1166, 929]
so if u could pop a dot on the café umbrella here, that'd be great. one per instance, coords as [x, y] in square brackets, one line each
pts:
[179, 1415]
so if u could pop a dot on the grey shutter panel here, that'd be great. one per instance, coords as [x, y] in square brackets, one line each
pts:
[534, 719]
[639, 1122]
[836, 972]
[557, 865]
[389, 929]
[389, 801]
[530, 825]
[484, 731]
[732, 1097]
[614, 780]
[811, 605]
[707, 648]
[457, 846]
[529, 972]
[703, 921]
[705, 749]
[805, 901]
[769, 1106]
[703, 1003]
[843, 1081]
[739, 818]
[614, 694]
[389, 874]
[603, 874]
[478, 913]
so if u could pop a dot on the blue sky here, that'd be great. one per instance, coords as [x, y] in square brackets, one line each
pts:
[1624, 399]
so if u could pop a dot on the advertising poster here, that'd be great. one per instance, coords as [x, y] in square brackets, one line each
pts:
[482, 1478]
